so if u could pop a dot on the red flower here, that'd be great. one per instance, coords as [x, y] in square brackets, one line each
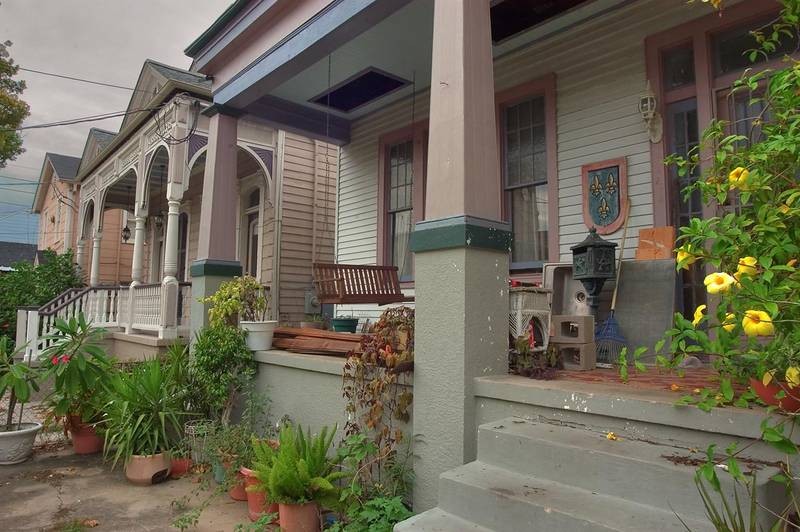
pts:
[64, 359]
[54, 360]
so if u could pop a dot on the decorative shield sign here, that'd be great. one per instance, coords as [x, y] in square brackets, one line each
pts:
[605, 191]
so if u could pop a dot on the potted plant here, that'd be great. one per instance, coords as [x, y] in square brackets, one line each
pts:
[19, 380]
[344, 324]
[180, 459]
[313, 321]
[78, 367]
[299, 476]
[258, 503]
[142, 421]
[244, 301]
[230, 449]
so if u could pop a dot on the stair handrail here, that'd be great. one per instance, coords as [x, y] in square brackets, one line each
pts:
[59, 298]
[76, 296]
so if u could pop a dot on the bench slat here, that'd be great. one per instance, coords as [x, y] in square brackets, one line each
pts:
[356, 283]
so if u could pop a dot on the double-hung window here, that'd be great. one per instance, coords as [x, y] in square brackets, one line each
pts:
[525, 180]
[400, 222]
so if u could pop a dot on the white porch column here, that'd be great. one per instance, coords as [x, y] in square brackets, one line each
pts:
[94, 274]
[137, 267]
[80, 253]
[171, 242]
[461, 249]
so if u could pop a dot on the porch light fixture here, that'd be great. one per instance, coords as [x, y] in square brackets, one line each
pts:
[126, 234]
[592, 263]
[158, 219]
[648, 108]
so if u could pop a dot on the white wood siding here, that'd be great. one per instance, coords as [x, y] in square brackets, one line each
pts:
[600, 75]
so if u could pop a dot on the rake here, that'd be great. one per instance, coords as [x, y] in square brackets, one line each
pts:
[608, 337]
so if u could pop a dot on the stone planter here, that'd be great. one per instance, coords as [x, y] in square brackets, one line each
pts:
[17, 445]
[144, 470]
[259, 334]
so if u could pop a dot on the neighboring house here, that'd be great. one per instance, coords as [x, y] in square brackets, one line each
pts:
[13, 252]
[466, 127]
[271, 212]
[57, 200]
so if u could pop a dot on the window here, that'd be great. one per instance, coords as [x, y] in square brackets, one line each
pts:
[252, 233]
[402, 195]
[525, 176]
[732, 48]
[401, 206]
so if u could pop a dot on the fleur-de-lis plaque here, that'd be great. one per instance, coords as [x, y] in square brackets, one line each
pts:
[605, 187]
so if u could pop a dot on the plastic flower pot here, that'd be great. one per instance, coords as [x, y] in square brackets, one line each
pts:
[299, 517]
[145, 470]
[789, 403]
[84, 438]
[259, 334]
[257, 504]
[179, 467]
[344, 324]
[16, 445]
[219, 472]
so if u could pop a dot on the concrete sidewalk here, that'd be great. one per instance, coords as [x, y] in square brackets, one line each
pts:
[59, 490]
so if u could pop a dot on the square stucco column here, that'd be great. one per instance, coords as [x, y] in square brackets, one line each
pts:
[461, 249]
[216, 254]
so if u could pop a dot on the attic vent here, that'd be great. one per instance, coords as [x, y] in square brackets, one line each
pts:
[359, 90]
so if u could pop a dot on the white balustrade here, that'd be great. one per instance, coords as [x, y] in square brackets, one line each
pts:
[147, 307]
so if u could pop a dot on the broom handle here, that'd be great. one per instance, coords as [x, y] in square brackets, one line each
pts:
[621, 253]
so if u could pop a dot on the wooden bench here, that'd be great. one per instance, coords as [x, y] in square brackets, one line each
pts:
[355, 283]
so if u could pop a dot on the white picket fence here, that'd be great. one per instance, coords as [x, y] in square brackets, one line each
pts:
[103, 306]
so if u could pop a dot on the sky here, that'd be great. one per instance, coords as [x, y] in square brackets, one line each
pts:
[100, 40]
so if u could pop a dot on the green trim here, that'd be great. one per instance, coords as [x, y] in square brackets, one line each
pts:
[461, 231]
[210, 32]
[216, 268]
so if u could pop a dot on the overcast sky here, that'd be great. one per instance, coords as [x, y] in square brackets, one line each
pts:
[102, 40]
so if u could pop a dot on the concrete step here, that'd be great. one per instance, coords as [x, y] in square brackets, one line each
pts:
[505, 501]
[437, 520]
[628, 469]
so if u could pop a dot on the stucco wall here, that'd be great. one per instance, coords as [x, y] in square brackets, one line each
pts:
[307, 388]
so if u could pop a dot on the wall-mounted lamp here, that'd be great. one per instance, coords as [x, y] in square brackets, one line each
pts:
[126, 234]
[648, 108]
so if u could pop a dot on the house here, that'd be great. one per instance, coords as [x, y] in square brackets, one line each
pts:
[56, 201]
[13, 252]
[146, 219]
[466, 128]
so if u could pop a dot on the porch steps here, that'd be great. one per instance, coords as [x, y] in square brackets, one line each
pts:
[551, 477]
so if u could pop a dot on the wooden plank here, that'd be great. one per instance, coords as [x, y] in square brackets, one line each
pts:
[316, 346]
[317, 333]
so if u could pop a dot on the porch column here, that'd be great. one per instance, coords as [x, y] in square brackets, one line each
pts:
[461, 249]
[80, 246]
[169, 285]
[216, 253]
[137, 267]
[94, 272]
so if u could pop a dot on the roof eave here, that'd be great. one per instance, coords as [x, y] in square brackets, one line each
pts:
[196, 46]
[170, 87]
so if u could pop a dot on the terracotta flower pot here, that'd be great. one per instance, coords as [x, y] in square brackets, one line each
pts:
[257, 504]
[84, 438]
[299, 517]
[237, 492]
[179, 467]
[789, 403]
[146, 470]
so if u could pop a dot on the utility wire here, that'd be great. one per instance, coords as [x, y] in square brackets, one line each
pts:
[92, 118]
[82, 80]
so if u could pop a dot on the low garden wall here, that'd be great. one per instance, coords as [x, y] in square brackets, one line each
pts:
[307, 388]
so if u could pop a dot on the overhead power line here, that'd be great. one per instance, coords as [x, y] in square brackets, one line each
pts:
[80, 120]
[82, 80]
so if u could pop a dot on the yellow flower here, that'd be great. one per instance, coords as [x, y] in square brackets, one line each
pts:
[697, 390]
[611, 436]
[738, 177]
[791, 263]
[685, 257]
[747, 266]
[767, 378]
[674, 387]
[757, 323]
[784, 208]
[698, 315]
[718, 282]
[793, 377]
[729, 324]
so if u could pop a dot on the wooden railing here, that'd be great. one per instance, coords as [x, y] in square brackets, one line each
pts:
[103, 306]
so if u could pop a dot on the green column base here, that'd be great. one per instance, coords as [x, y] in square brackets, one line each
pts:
[207, 275]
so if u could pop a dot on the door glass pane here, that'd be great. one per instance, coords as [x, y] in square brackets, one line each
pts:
[529, 224]
[683, 136]
[678, 67]
[402, 225]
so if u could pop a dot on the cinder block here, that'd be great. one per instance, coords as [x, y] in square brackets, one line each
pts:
[581, 357]
[572, 329]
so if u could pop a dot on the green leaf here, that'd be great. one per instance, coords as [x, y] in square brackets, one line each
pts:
[727, 389]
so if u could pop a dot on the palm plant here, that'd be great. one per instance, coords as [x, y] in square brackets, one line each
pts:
[19, 380]
[144, 412]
